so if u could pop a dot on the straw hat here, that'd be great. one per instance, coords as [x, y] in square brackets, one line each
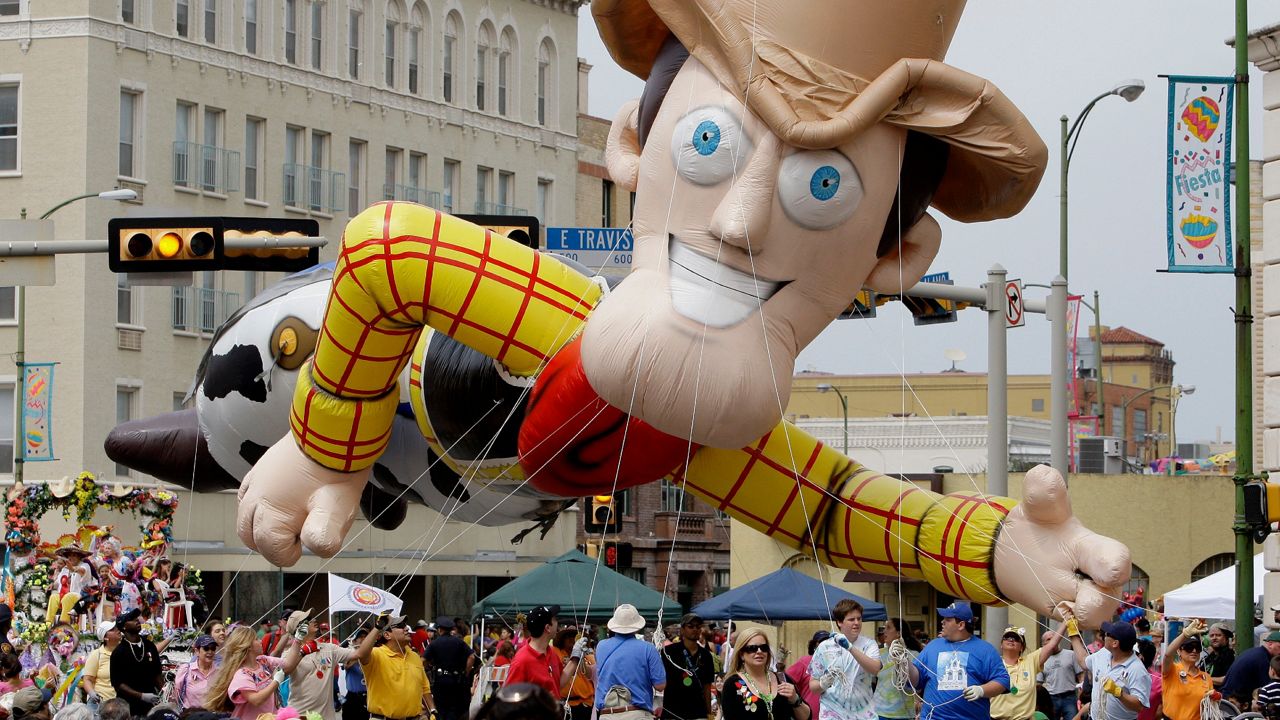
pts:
[819, 73]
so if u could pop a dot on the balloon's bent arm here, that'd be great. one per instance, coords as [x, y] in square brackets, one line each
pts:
[403, 267]
[800, 492]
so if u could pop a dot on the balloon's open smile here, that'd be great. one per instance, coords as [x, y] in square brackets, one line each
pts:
[713, 293]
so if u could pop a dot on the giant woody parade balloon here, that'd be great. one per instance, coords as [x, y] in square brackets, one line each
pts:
[782, 155]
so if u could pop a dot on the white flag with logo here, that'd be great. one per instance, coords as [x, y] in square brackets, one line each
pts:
[349, 595]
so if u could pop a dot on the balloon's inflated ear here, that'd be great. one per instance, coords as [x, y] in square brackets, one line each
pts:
[908, 261]
[622, 149]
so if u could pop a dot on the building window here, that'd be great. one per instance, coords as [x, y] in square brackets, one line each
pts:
[1211, 565]
[8, 128]
[483, 42]
[674, 498]
[252, 156]
[452, 171]
[130, 104]
[417, 171]
[606, 203]
[319, 161]
[291, 31]
[6, 427]
[391, 173]
[504, 71]
[721, 580]
[1037, 404]
[251, 26]
[622, 500]
[10, 7]
[413, 53]
[125, 306]
[1139, 425]
[355, 172]
[544, 201]
[182, 18]
[389, 74]
[292, 169]
[353, 45]
[211, 21]
[250, 285]
[1138, 578]
[128, 12]
[484, 180]
[125, 400]
[635, 573]
[8, 303]
[317, 34]
[450, 43]
[545, 55]
[211, 162]
[1118, 426]
[506, 193]
[183, 148]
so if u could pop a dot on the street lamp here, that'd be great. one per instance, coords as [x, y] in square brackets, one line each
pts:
[20, 309]
[1129, 90]
[844, 407]
[1175, 391]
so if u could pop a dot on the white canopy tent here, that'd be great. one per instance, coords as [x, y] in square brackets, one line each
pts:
[1211, 597]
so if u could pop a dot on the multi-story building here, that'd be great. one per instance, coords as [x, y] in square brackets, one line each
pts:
[282, 108]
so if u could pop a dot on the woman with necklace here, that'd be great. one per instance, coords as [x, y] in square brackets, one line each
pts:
[752, 691]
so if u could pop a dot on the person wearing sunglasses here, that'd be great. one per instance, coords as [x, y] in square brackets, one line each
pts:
[192, 679]
[1184, 684]
[1020, 702]
[844, 667]
[752, 690]
[957, 671]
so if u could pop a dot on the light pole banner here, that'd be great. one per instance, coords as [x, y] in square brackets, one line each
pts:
[37, 412]
[1198, 194]
[347, 595]
[1073, 346]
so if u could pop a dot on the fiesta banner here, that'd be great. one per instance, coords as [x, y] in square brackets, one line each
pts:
[1073, 344]
[1198, 192]
[348, 595]
[37, 412]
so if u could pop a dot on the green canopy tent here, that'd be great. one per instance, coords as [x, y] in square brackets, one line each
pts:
[584, 589]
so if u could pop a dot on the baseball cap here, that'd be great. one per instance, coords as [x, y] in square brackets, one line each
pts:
[395, 621]
[1275, 608]
[296, 618]
[131, 615]
[206, 641]
[444, 621]
[1124, 633]
[421, 624]
[1273, 636]
[1222, 628]
[163, 712]
[1192, 643]
[690, 619]
[958, 610]
[1020, 633]
[27, 700]
[538, 617]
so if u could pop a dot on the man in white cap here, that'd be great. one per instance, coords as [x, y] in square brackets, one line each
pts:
[535, 662]
[313, 666]
[628, 669]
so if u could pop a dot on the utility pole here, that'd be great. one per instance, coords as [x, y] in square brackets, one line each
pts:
[1244, 339]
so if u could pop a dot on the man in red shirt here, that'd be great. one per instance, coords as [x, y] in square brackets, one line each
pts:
[420, 637]
[535, 662]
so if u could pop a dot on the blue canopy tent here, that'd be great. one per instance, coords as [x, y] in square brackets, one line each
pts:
[783, 595]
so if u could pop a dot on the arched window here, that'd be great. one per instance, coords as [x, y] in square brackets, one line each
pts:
[450, 46]
[389, 47]
[546, 86]
[484, 45]
[413, 47]
[505, 46]
[1138, 578]
[1213, 564]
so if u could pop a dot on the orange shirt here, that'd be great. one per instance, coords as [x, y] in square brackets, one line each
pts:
[1184, 688]
[581, 690]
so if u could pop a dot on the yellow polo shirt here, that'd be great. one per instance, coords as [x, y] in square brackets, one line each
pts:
[396, 682]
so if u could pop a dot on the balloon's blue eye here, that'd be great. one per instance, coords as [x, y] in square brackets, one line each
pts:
[824, 183]
[706, 137]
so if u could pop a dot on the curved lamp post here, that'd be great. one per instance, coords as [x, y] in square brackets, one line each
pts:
[844, 407]
[1175, 392]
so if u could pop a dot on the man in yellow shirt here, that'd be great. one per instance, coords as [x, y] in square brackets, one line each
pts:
[397, 681]
[1020, 702]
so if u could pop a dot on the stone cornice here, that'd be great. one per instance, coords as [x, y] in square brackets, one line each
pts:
[277, 74]
[568, 7]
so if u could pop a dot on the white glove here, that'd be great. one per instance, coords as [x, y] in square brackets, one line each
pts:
[91, 695]
[828, 680]
[973, 692]
[300, 633]
[579, 648]
[278, 676]
[150, 698]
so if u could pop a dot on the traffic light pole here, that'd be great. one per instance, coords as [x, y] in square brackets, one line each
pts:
[1244, 339]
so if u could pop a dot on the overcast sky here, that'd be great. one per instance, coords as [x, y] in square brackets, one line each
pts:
[1051, 58]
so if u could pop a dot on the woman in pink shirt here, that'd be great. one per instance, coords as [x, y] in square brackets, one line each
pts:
[246, 683]
[192, 680]
[800, 670]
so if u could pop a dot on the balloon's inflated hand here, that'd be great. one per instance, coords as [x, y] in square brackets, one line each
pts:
[1045, 556]
[288, 501]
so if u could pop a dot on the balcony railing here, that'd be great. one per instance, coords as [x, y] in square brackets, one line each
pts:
[315, 188]
[206, 167]
[409, 193]
[202, 310]
[488, 208]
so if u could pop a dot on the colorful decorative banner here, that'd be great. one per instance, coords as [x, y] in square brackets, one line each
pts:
[1073, 374]
[37, 412]
[1199, 184]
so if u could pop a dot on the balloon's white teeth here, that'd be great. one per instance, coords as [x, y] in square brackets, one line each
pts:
[712, 293]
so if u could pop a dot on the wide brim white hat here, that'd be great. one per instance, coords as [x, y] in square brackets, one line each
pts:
[626, 620]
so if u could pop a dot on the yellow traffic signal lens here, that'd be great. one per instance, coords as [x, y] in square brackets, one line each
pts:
[169, 245]
[139, 245]
[604, 498]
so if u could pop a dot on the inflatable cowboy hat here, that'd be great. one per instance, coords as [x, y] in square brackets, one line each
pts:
[820, 72]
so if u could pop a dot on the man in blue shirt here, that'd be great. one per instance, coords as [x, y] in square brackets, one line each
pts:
[958, 672]
[1121, 683]
[628, 669]
[1249, 671]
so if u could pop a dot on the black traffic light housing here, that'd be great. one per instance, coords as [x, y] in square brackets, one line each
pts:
[1261, 507]
[617, 555]
[602, 515]
[524, 229]
[179, 244]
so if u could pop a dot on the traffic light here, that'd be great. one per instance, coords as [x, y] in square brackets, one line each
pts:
[863, 306]
[927, 311]
[1261, 506]
[180, 244]
[524, 229]
[617, 555]
[602, 515]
